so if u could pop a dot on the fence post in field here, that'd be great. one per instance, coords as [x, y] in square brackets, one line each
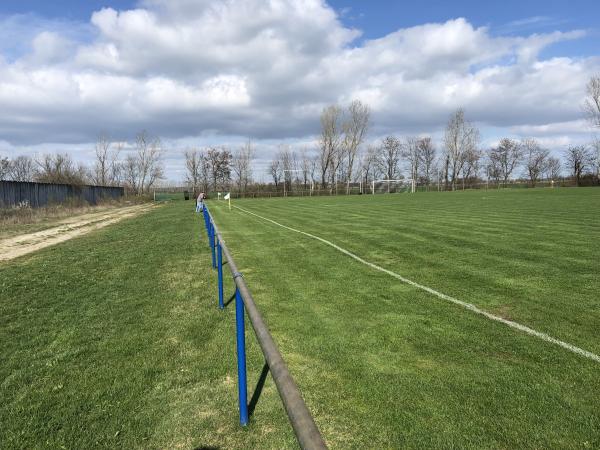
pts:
[241, 355]
[212, 245]
[220, 269]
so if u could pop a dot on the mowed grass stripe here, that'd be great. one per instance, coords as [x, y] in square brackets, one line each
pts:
[509, 273]
[382, 365]
[469, 306]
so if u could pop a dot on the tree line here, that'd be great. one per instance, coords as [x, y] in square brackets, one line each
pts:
[342, 156]
[138, 168]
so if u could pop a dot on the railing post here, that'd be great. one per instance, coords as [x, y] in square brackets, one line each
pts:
[241, 357]
[220, 269]
[212, 245]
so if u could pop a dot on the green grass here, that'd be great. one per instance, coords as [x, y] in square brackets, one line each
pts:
[114, 339]
[382, 364]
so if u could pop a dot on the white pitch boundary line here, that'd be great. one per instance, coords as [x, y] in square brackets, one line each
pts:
[469, 306]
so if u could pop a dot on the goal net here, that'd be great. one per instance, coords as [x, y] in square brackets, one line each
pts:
[390, 186]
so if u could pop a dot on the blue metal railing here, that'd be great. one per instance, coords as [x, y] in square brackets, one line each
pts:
[304, 426]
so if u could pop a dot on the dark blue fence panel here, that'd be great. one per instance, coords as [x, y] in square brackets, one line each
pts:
[12, 193]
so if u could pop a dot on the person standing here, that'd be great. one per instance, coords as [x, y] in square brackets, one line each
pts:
[200, 202]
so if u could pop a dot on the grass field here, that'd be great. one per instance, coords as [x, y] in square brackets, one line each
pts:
[114, 339]
[384, 364]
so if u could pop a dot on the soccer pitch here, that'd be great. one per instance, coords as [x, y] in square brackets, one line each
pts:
[466, 319]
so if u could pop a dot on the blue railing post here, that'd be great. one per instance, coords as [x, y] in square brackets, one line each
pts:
[212, 246]
[220, 269]
[241, 357]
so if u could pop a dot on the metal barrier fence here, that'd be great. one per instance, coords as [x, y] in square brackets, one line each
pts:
[35, 195]
[304, 426]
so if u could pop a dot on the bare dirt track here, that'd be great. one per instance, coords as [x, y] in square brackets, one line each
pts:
[68, 229]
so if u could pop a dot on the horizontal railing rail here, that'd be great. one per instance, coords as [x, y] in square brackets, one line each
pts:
[304, 426]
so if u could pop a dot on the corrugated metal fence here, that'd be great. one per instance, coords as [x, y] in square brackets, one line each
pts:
[36, 195]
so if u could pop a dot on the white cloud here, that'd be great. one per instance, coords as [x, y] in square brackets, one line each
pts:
[264, 69]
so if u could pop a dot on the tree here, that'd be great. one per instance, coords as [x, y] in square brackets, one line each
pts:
[411, 153]
[101, 169]
[242, 166]
[578, 160]
[107, 169]
[329, 142]
[305, 167]
[275, 170]
[131, 174]
[60, 168]
[553, 168]
[148, 159]
[22, 168]
[470, 164]
[493, 170]
[194, 162]
[388, 157]
[536, 159]
[427, 159]
[354, 129]
[218, 163]
[370, 164]
[505, 158]
[592, 102]
[596, 158]
[144, 167]
[460, 138]
[4, 168]
[288, 160]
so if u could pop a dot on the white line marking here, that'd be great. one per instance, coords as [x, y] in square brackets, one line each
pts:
[469, 306]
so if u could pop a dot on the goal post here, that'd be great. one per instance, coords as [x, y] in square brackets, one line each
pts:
[388, 186]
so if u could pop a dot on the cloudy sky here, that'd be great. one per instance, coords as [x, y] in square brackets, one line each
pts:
[201, 72]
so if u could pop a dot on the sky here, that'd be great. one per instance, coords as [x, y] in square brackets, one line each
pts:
[202, 72]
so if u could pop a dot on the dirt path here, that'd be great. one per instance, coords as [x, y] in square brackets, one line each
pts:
[72, 227]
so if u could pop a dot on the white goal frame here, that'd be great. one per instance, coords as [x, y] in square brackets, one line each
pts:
[388, 182]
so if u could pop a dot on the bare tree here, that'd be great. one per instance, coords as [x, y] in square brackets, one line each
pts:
[354, 129]
[107, 168]
[388, 157]
[427, 159]
[194, 163]
[148, 157]
[460, 138]
[329, 144]
[288, 159]
[219, 167]
[411, 153]
[470, 165]
[578, 160]
[369, 164]
[131, 174]
[596, 158]
[60, 168]
[4, 168]
[102, 170]
[22, 168]
[305, 167]
[553, 168]
[592, 102]
[506, 157]
[242, 166]
[275, 170]
[536, 159]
